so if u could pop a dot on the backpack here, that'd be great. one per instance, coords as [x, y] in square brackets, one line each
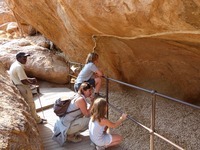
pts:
[61, 105]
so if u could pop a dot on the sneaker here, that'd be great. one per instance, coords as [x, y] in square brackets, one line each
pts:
[74, 139]
[100, 148]
[43, 121]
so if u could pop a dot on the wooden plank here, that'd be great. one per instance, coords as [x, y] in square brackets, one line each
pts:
[46, 131]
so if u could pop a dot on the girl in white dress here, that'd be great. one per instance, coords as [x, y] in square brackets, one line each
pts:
[99, 124]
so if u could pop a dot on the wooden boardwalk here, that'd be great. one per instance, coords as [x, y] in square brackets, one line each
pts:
[49, 94]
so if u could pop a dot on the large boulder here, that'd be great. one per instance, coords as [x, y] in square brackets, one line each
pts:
[6, 14]
[42, 64]
[9, 23]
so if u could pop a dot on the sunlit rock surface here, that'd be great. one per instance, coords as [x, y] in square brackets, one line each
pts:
[153, 44]
[18, 130]
[42, 64]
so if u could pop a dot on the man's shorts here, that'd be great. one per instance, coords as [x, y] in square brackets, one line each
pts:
[90, 81]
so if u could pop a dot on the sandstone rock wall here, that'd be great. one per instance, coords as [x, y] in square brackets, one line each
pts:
[18, 130]
[167, 66]
[154, 44]
[70, 24]
[5, 13]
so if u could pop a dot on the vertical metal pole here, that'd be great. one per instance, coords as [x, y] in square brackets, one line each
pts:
[107, 90]
[69, 64]
[153, 110]
[40, 100]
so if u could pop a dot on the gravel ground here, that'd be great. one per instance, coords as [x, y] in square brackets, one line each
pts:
[174, 121]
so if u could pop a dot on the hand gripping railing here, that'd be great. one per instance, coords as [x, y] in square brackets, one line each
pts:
[154, 94]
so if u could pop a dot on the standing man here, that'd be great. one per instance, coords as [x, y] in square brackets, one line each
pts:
[22, 82]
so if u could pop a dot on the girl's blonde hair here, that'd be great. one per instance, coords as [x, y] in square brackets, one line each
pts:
[98, 109]
[91, 57]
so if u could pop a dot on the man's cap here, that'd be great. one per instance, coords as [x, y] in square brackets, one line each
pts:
[22, 54]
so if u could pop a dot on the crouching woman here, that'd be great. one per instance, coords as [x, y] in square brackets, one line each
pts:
[67, 128]
[99, 124]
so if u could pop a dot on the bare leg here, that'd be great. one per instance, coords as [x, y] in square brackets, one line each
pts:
[97, 85]
[116, 140]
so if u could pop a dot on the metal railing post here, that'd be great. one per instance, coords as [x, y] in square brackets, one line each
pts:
[107, 90]
[69, 75]
[153, 110]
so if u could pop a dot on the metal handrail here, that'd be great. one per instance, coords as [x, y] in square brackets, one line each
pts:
[154, 94]
[129, 117]
[75, 63]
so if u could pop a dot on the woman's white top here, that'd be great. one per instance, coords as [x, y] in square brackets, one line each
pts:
[97, 134]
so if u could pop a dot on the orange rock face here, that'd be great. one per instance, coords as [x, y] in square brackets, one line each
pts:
[153, 44]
